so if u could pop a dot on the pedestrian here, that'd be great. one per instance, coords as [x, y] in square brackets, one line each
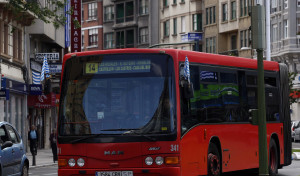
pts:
[33, 140]
[52, 139]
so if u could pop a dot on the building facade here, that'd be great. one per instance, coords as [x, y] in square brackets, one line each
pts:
[130, 23]
[226, 27]
[285, 40]
[43, 40]
[92, 25]
[181, 24]
[13, 67]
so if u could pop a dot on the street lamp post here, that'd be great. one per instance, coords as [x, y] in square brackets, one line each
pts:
[258, 37]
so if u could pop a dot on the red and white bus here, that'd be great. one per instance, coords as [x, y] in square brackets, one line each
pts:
[137, 112]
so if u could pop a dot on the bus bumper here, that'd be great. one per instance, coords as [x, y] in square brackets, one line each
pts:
[169, 171]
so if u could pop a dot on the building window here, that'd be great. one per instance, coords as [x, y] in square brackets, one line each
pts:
[109, 40]
[183, 24]
[207, 16]
[82, 39]
[285, 29]
[9, 47]
[92, 11]
[210, 45]
[174, 26]
[174, 1]
[166, 3]
[224, 12]
[243, 7]
[1, 37]
[298, 26]
[233, 42]
[273, 6]
[285, 5]
[210, 15]
[274, 33]
[144, 7]
[166, 28]
[233, 10]
[120, 39]
[17, 45]
[242, 38]
[298, 3]
[125, 39]
[109, 13]
[197, 22]
[125, 12]
[82, 14]
[93, 37]
[143, 35]
[245, 38]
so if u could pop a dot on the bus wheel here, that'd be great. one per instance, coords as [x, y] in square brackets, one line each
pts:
[213, 161]
[273, 158]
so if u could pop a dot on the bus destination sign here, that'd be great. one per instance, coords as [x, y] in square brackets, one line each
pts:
[118, 66]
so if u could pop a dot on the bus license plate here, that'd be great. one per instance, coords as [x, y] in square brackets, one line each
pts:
[115, 173]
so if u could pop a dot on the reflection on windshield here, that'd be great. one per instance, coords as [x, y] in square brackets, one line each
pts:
[141, 103]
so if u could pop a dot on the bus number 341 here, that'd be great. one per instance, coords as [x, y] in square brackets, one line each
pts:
[174, 148]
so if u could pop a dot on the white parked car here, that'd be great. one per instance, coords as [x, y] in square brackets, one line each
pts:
[295, 131]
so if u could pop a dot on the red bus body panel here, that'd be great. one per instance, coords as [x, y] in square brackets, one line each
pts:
[239, 142]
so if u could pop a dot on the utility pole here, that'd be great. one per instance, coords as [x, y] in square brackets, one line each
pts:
[258, 37]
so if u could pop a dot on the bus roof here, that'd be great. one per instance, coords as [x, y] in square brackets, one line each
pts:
[179, 55]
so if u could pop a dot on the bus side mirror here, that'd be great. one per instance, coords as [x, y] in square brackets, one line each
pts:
[253, 116]
[188, 90]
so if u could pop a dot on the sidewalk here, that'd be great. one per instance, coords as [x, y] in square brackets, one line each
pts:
[43, 158]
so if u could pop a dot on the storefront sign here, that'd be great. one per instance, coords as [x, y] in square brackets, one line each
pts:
[35, 89]
[75, 31]
[14, 86]
[4, 94]
[41, 101]
[49, 56]
[55, 68]
[36, 66]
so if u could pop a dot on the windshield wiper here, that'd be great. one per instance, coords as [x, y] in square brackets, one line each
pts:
[130, 131]
[86, 137]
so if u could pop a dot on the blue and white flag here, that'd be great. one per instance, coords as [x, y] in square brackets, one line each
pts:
[45, 69]
[36, 77]
[187, 69]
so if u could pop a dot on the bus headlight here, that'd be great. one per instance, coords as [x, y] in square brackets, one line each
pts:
[159, 160]
[149, 161]
[71, 162]
[80, 162]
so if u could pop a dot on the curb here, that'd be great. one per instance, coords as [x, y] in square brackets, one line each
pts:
[42, 165]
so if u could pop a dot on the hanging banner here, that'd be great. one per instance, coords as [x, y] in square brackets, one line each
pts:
[75, 31]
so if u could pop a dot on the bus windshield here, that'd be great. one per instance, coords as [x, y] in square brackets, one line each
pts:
[118, 94]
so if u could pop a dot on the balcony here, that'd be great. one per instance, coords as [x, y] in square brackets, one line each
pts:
[234, 52]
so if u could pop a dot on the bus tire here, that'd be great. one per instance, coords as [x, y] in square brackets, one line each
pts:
[213, 161]
[273, 158]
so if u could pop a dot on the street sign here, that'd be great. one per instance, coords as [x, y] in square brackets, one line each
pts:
[191, 36]
[3, 83]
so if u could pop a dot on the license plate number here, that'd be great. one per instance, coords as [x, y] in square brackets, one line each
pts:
[115, 173]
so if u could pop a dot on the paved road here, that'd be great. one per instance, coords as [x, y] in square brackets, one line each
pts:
[292, 170]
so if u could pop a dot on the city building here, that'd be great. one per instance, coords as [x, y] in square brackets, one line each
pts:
[92, 25]
[43, 40]
[285, 40]
[226, 27]
[181, 24]
[13, 66]
[130, 23]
